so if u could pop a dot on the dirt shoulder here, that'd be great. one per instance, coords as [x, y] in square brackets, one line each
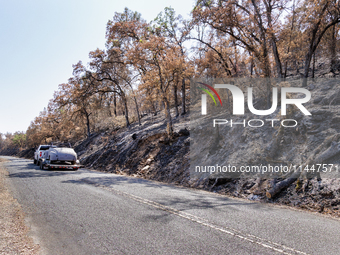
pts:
[13, 231]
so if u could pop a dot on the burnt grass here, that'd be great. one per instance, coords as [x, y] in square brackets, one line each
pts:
[141, 151]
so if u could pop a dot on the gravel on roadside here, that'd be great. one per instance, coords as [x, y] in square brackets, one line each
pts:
[14, 237]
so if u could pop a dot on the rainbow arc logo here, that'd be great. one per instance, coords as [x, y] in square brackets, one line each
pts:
[208, 92]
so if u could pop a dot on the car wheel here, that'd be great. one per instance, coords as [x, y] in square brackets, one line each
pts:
[34, 161]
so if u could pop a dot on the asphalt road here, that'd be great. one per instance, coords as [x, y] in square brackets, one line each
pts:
[88, 212]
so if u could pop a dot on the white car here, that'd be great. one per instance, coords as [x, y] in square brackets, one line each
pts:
[59, 157]
[40, 153]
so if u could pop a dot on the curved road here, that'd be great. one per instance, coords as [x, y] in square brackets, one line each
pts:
[89, 212]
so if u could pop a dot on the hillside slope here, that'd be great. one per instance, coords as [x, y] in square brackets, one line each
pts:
[144, 151]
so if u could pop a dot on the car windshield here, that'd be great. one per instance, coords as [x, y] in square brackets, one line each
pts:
[43, 148]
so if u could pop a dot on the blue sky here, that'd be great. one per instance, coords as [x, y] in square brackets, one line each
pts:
[40, 40]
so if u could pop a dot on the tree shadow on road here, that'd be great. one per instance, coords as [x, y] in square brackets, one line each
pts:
[26, 169]
[41, 173]
[193, 199]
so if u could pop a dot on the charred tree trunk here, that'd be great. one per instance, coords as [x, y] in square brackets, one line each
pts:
[282, 185]
[235, 65]
[169, 128]
[183, 97]
[285, 72]
[251, 65]
[126, 111]
[290, 40]
[137, 110]
[332, 49]
[88, 127]
[313, 66]
[276, 56]
[115, 104]
[308, 59]
[175, 99]
[109, 106]
[318, 156]
[273, 40]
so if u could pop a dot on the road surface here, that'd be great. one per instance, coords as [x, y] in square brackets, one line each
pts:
[89, 212]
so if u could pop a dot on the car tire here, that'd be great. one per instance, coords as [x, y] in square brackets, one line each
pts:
[34, 161]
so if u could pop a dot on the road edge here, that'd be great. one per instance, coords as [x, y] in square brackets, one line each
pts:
[14, 232]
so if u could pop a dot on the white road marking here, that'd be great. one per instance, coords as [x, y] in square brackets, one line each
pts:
[230, 231]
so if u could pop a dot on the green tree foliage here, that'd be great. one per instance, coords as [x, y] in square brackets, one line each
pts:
[19, 139]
